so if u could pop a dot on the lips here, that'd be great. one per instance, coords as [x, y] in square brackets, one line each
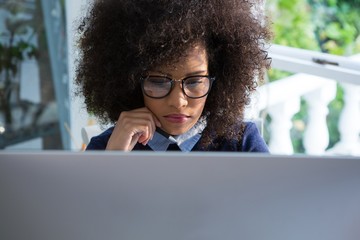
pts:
[177, 118]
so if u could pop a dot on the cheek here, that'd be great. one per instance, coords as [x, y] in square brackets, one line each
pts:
[199, 105]
[148, 101]
[153, 104]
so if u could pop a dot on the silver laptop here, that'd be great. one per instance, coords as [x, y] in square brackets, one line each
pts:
[197, 196]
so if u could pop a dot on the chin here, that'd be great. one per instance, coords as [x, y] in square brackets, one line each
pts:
[175, 132]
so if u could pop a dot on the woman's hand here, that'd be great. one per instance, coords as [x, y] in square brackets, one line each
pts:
[133, 126]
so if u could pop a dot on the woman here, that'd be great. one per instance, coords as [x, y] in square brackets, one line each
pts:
[173, 74]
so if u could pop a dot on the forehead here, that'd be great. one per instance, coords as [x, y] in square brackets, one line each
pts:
[194, 60]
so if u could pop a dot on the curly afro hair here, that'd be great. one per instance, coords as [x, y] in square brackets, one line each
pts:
[121, 39]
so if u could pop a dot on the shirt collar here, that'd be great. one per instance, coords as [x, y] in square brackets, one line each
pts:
[186, 141]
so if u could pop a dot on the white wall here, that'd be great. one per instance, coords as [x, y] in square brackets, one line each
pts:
[78, 115]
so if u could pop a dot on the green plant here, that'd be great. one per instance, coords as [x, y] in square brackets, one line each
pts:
[331, 26]
[337, 25]
[292, 26]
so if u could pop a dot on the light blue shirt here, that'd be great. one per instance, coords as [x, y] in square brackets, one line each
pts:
[186, 141]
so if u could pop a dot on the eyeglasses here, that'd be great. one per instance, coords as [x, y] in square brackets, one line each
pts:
[160, 86]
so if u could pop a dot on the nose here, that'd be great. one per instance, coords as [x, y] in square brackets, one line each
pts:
[177, 98]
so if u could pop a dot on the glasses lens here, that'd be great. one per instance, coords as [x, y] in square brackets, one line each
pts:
[156, 86]
[197, 86]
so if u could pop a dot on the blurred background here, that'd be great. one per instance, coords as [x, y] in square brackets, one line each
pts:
[309, 114]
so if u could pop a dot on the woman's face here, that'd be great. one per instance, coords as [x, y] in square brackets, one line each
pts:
[176, 112]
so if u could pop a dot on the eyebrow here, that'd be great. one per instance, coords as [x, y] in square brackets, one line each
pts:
[188, 74]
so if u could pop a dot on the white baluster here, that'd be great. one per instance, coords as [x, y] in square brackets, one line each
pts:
[349, 122]
[316, 136]
[252, 111]
[281, 114]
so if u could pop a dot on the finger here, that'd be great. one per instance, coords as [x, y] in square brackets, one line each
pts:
[146, 128]
[157, 122]
[155, 119]
[134, 140]
[139, 125]
[127, 133]
[144, 137]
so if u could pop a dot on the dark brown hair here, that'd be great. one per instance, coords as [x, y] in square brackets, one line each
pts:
[121, 39]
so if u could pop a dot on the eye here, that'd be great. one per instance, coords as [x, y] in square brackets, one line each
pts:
[195, 81]
[157, 80]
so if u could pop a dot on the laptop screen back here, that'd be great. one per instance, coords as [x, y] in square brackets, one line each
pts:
[61, 195]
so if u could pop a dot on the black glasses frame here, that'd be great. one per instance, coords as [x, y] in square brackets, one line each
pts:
[172, 82]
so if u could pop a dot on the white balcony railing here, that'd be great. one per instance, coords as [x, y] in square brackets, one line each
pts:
[281, 100]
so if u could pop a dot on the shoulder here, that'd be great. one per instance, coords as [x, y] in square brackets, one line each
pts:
[99, 142]
[251, 141]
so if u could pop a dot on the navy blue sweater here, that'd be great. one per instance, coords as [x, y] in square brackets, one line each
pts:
[251, 142]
